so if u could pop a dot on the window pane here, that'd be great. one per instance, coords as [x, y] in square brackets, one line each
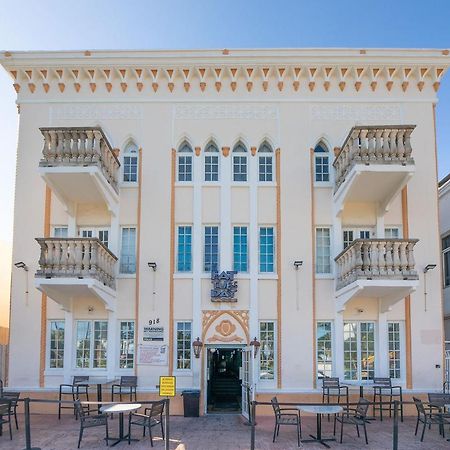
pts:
[321, 164]
[100, 344]
[130, 165]
[184, 342]
[367, 350]
[265, 168]
[128, 251]
[184, 261]
[350, 351]
[185, 168]
[211, 168]
[266, 249]
[211, 249]
[324, 350]
[391, 233]
[239, 168]
[267, 351]
[126, 359]
[240, 249]
[394, 349]
[56, 344]
[83, 344]
[323, 244]
[61, 232]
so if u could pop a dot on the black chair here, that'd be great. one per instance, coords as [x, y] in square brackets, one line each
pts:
[382, 389]
[332, 389]
[5, 411]
[75, 389]
[446, 387]
[1, 388]
[285, 416]
[90, 421]
[13, 397]
[151, 418]
[359, 418]
[428, 418]
[127, 386]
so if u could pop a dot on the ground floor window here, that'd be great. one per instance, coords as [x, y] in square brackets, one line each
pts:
[324, 350]
[394, 341]
[56, 357]
[184, 345]
[267, 350]
[126, 359]
[359, 350]
[91, 344]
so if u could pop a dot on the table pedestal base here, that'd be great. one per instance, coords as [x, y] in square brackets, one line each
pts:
[322, 441]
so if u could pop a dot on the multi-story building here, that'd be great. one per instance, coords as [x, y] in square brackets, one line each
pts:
[444, 222]
[284, 195]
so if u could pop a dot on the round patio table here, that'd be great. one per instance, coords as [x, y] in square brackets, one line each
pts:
[319, 410]
[120, 408]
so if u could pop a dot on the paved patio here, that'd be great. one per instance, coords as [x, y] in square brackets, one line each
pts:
[217, 432]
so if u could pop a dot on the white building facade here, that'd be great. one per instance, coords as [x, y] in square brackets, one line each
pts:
[444, 222]
[309, 173]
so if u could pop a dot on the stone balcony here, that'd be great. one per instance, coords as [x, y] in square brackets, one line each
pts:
[379, 268]
[71, 268]
[80, 167]
[373, 165]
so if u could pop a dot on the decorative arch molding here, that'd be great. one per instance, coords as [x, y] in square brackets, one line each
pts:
[269, 141]
[325, 141]
[128, 140]
[240, 139]
[225, 327]
[184, 139]
[211, 139]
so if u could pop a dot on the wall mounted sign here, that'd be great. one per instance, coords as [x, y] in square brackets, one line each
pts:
[167, 386]
[153, 334]
[152, 355]
[224, 286]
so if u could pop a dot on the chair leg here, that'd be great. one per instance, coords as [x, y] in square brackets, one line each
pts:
[334, 426]
[10, 431]
[274, 432]
[357, 430]
[150, 433]
[278, 430]
[401, 405]
[423, 431]
[342, 429]
[15, 417]
[300, 424]
[107, 433]
[80, 436]
[417, 426]
[365, 433]
[129, 429]
[162, 430]
[59, 404]
[390, 405]
[298, 434]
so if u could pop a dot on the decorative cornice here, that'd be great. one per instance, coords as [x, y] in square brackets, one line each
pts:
[281, 72]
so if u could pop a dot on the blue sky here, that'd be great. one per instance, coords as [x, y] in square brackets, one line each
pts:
[98, 24]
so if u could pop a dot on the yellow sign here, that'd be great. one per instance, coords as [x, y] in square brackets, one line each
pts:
[167, 386]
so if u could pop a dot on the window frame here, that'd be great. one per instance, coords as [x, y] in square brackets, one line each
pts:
[208, 152]
[265, 151]
[121, 273]
[119, 360]
[393, 227]
[60, 227]
[178, 251]
[204, 248]
[240, 150]
[185, 150]
[247, 259]
[48, 345]
[402, 359]
[330, 237]
[324, 152]
[91, 344]
[261, 352]
[274, 250]
[189, 348]
[445, 252]
[131, 151]
[332, 348]
[356, 232]
[96, 233]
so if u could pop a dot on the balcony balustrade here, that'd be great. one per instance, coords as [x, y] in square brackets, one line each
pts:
[376, 259]
[71, 267]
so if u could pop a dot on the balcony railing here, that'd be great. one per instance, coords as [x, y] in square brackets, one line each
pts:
[374, 145]
[87, 146]
[76, 258]
[376, 259]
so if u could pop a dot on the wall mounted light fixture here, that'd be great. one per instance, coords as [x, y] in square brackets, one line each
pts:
[426, 269]
[298, 264]
[198, 345]
[21, 265]
[152, 265]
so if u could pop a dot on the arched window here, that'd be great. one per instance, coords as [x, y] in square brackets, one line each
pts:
[265, 162]
[239, 162]
[211, 162]
[185, 162]
[321, 163]
[130, 163]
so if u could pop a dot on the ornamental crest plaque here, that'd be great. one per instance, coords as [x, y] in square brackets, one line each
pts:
[224, 286]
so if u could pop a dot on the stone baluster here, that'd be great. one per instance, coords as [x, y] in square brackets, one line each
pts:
[393, 144]
[42, 256]
[78, 258]
[386, 144]
[89, 145]
[408, 148]
[57, 258]
[358, 259]
[378, 144]
[86, 256]
[389, 261]
[371, 145]
[94, 259]
[364, 148]
[53, 146]
[71, 257]
[374, 258]
[81, 146]
[382, 258]
[400, 146]
[97, 146]
[396, 246]
[403, 258]
[66, 146]
[46, 150]
[365, 257]
[50, 258]
[410, 258]
[355, 153]
[59, 146]
[74, 153]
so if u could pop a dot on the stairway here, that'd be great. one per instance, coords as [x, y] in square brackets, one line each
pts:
[226, 393]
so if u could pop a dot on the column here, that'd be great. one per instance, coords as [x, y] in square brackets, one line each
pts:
[339, 345]
[114, 234]
[111, 354]
[69, 344]
[338, 239]
[72, 225]
[380, 225]
[382, 358]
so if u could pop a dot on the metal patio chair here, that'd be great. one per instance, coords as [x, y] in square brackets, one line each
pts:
[128, 385]
[286, 416]
[428, 418]
[90, 421]
[13, 397]
[382, 389]
[151, 418]
[5, 411]
[75, 389]
[332, 388]
[359, 418]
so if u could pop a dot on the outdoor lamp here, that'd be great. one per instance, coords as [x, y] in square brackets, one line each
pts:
[21, 265]
[197, 344]
[152, 265]
[255, 344]
[429, 267]
[298, 264]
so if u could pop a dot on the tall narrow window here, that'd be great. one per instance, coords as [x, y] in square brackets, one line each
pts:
[240, 249]
[185, 162]
[324, 350]
[265, 162]
[267, 350]
[91, 346]
[239, 162]
[184, 260]
[392, 233]
[60, 232]
[359, 350]
[211, 162]
[321, 163]
[211, 249]
[394, 350]
[266, 249]
[184, 343]
[126, 343]
[348, 237]
[130, 164]
[128, 250]
[323, 250]
[446, 259]
[83, 344]
[56, 360]
[100, 344]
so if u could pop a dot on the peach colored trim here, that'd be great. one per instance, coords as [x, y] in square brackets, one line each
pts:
[138, 260]
[47, 211]
[313, 252]
[234, 314]
[407, 298]
[172, 257]
[278, 244]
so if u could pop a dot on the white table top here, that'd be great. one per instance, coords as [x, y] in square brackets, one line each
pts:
[96, 381]
[325, 409]
[120, 407]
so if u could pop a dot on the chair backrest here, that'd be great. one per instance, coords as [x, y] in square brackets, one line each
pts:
[330, 382]
[79, 409]
[382, 381]
[80, 379]
[362, 408]
[419, 405]
[12, 396]
[157, 408]
[130, 381]
[5, 406]
[275, 406]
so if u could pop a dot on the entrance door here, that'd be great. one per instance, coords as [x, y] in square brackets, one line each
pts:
[247, 381]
